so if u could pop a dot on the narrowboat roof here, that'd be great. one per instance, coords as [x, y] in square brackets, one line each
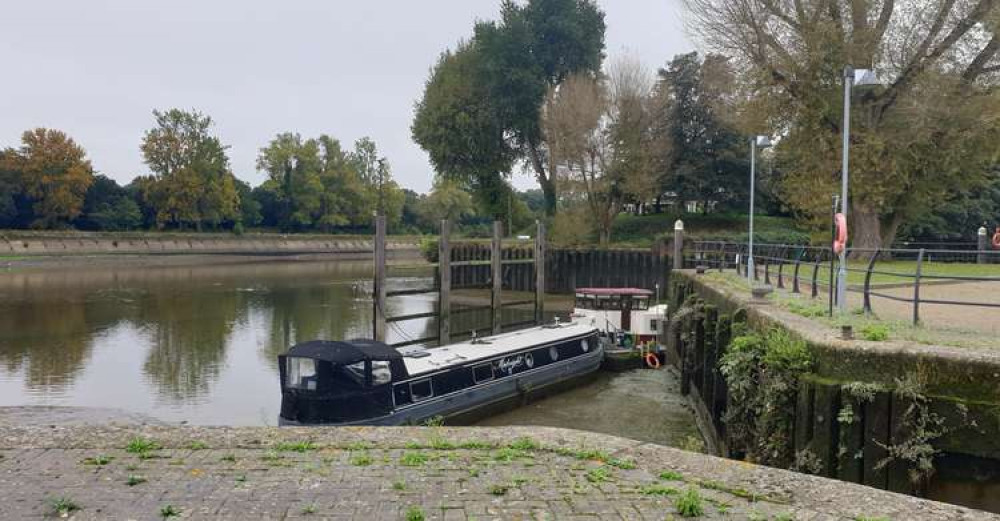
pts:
[632, 292]
[464, 352]
[344, 352]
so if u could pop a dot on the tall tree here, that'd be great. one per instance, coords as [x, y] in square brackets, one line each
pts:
[931, 125]
[54, 174]
[510, 64]
[599, 138]
[704, 159]
[195, 184]
[293, 166]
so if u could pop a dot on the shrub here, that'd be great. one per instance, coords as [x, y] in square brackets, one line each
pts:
[689, 504]
[875, 332]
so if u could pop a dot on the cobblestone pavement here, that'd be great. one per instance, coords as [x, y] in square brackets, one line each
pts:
[152, 472]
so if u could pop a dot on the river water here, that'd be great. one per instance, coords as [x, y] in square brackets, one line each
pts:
[199, 344]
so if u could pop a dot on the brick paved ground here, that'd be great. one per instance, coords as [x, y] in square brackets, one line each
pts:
[404, 473]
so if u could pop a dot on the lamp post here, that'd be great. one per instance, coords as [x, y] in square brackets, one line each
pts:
[755, 143]
[851, 78]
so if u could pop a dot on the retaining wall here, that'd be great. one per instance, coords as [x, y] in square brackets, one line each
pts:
[851, 437]
[98, 244]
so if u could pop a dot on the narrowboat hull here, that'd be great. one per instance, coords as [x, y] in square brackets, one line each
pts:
[485, 395]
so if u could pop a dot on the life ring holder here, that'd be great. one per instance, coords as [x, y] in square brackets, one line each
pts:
[652, 361]
[840, 242]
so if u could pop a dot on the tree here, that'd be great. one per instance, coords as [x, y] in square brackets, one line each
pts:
[293, 166]
[702, 157]
[599, 135]
[117, 215]
[482, 105]
[54, 175]
[195, 184]
[10, 189]
[931, 125]
[446, 201]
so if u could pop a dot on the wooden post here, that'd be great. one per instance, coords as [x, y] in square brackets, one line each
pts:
[679, 245]
[444, 291]
[496, 274]
[916, 288]
[540, 272]
[379, 293]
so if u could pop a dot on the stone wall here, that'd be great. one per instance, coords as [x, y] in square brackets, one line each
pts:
[876, 439]
[26, 245]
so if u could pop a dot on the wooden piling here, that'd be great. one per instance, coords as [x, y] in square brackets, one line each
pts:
[379, 293]
[540, 272]
[444, 290]
[496, 274]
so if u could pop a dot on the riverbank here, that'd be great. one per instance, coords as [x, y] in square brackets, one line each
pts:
[17, 248]
[406, 473]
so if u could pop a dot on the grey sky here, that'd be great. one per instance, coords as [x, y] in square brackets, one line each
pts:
[97, 68]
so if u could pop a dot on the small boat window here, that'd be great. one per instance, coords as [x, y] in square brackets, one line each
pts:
[421, 390]
[301, 373]
[381, 372]
[554, 353]
[482, 373]
[653, 325]
[356, 372]
[584, 345]
[640, 303]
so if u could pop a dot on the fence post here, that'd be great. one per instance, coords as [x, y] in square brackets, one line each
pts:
[868, 282]
[379, 293]
[983, 245]
[679, 245]
[496, 274]
[444, 291]
[815, 279]
[781, 268]
[540, 273]
[916, 288]
[795, 275]
[767, 270]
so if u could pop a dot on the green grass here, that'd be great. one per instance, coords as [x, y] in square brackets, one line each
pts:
[63, 506]
[229, 458]
[133, 480]
[362, 459]
[642, 230]
[298, 446]
[875, 332]
[659, 490]
[689, 504]
[140, 445]
[399, 485]
[198, 445]
[168, 511]
[886, 272]
[669, 475]
[100, 460]
[309, 509]
[499, 489]
[524, 444]
[598, 475]
[413, 459]
[415, 514]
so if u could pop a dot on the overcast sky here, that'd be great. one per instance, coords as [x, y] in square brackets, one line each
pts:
[97, 68]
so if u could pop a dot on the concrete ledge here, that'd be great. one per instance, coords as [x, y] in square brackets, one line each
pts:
[381, 473]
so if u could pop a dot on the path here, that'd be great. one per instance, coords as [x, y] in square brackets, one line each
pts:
[405, 473]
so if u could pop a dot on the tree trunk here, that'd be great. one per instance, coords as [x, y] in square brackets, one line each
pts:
[545, 180]
[865, 232]
[604, 236]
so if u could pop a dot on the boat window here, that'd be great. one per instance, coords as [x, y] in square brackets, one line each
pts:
[641, 303]
[301, 373]
[482, 373]
[554, 353]
[653, 325]
[356, 372]
[584, 345]
[381, 372]
[421, 390]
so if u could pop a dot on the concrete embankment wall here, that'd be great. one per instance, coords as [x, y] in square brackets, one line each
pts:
[877, 437]
[27, 245]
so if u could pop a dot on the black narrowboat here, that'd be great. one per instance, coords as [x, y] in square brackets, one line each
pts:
[364, 382]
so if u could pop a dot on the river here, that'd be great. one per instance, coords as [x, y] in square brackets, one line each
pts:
[198, 344]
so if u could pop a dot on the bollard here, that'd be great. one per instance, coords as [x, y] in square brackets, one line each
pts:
[679, 245]
[983, 245]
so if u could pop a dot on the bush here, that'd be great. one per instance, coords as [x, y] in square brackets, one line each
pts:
[875, 332]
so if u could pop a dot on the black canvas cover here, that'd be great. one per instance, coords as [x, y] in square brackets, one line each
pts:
[344, 352]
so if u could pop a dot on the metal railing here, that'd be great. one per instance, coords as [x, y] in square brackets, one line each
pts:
[796, 267]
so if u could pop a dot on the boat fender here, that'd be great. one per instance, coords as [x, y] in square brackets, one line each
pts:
[841, 241]
[652, 361]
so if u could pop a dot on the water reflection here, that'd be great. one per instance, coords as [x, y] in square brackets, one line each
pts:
[179, 343]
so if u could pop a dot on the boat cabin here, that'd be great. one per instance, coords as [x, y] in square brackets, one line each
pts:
[620, 310]
[337, 382]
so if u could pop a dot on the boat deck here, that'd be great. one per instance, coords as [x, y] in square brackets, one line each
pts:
[460, 353]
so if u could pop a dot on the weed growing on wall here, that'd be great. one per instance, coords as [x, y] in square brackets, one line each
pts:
[762, 375]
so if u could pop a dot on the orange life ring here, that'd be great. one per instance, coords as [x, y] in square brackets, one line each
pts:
[841, 241]
[996, 241]
[652, 361]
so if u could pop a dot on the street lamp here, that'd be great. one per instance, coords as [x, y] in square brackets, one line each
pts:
[755, 143]
[851, 78]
